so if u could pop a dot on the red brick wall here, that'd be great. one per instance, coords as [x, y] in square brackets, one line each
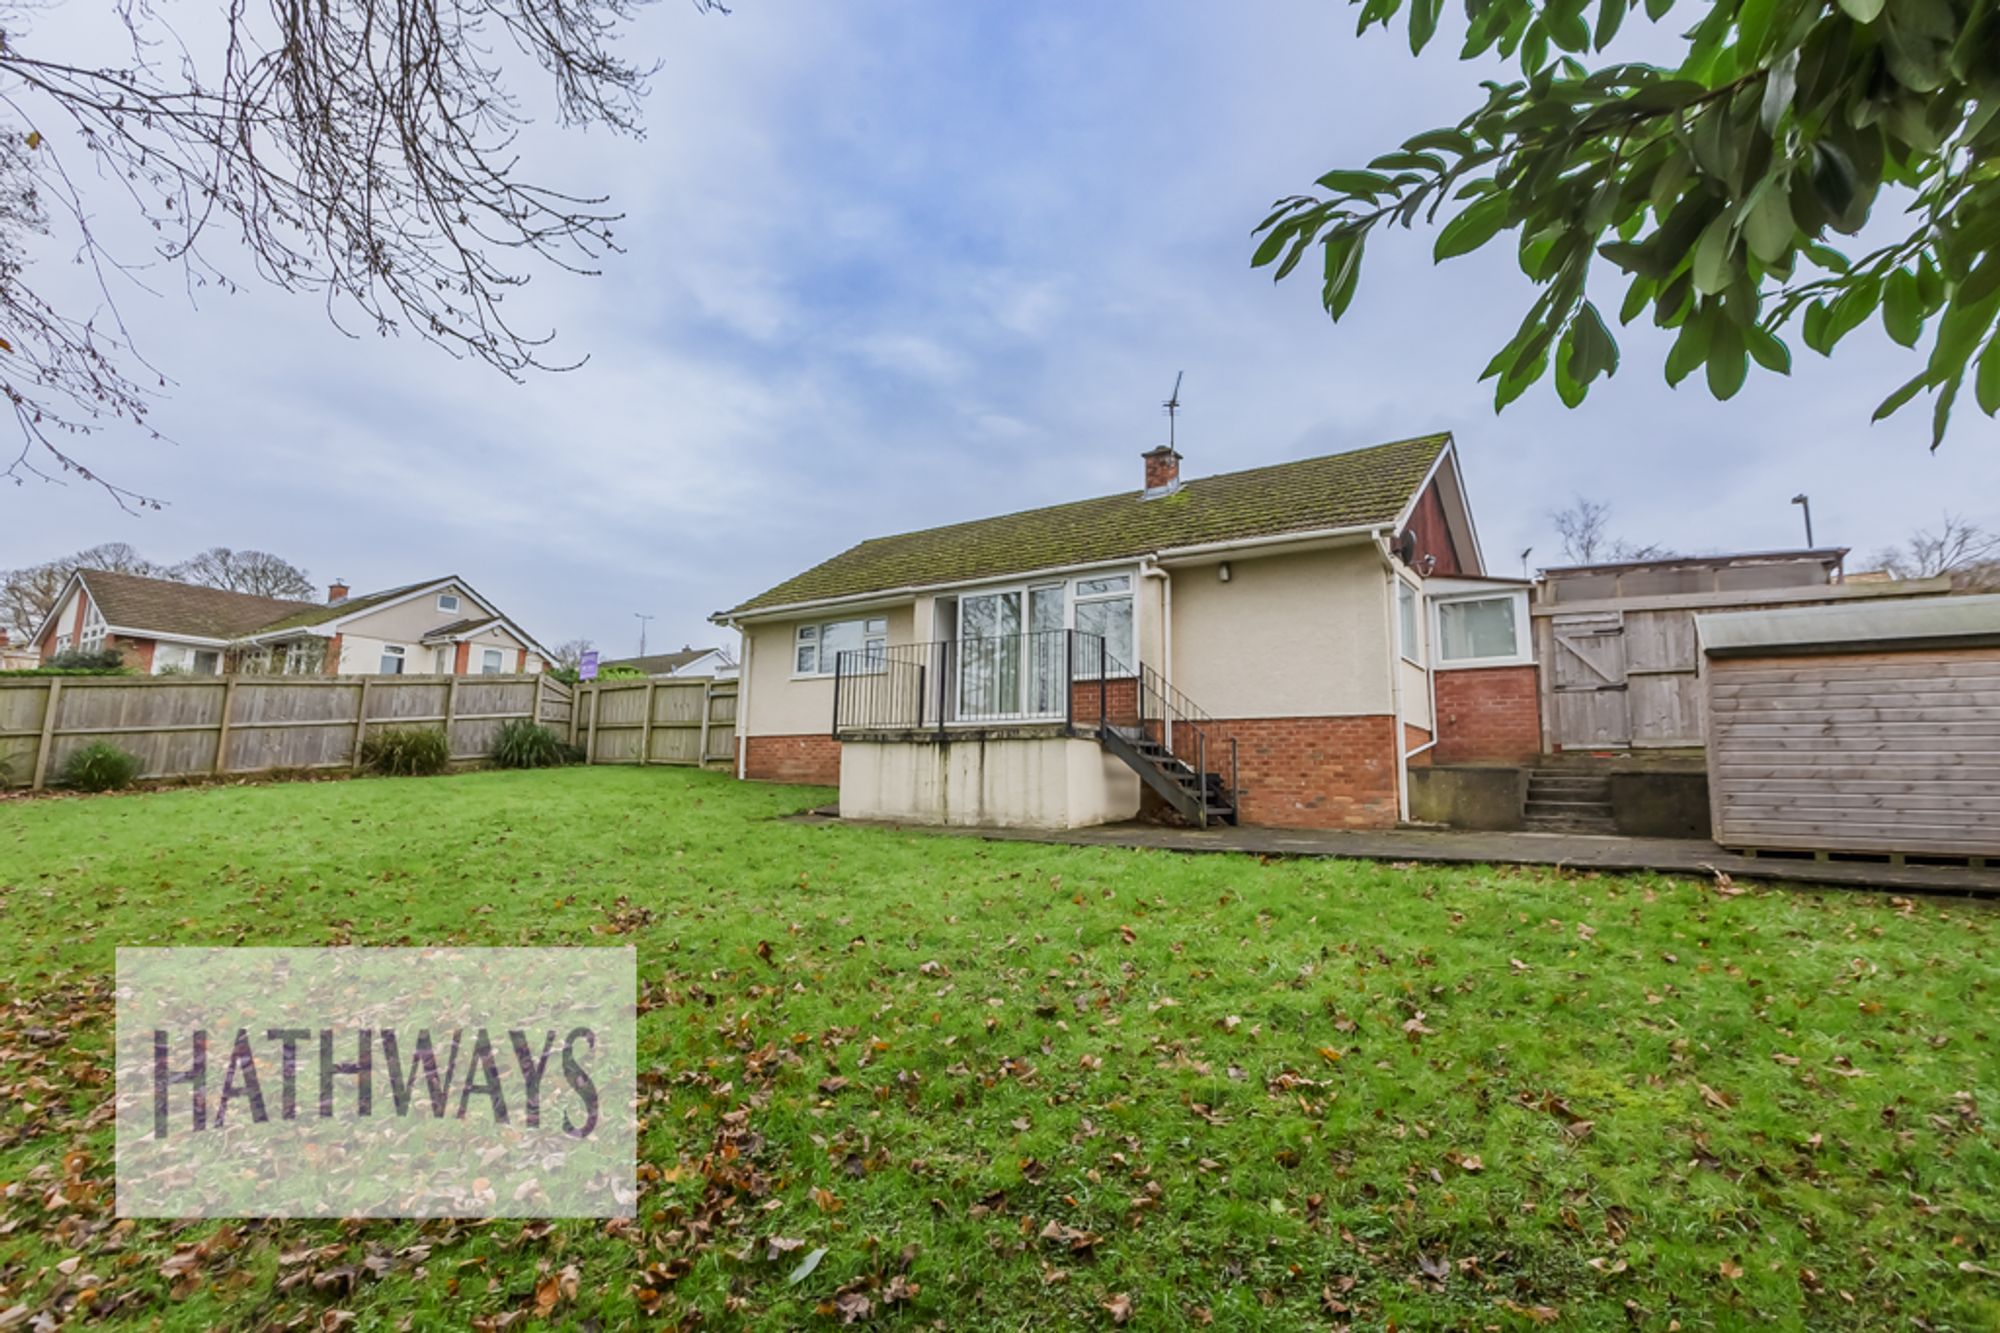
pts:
[1313, 772]
[1120, 695]
[1413, 736]
[810, 759]
[134, 653]
[1490, 713]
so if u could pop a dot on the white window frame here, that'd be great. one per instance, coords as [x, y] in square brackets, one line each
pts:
[1524, 649]
[445, 597]
[1128, 593]
[873, 641]
[397, 653]
[62, 643]
[493, 657]
[92, 638]
[1410, 622]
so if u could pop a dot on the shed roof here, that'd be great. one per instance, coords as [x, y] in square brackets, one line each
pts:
[1361, 488]
[1870, 626]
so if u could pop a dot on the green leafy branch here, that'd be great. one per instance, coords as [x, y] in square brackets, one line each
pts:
[1716, 187]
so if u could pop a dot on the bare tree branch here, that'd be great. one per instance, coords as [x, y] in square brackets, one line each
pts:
[364, 151]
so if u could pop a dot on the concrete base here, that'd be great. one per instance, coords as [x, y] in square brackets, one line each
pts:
[1028, 781]
[1660, 803]
[1467, 796]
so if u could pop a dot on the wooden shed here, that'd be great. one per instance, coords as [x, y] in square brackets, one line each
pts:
[1869, 727]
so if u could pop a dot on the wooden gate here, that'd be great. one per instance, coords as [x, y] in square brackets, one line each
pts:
[1592, 703]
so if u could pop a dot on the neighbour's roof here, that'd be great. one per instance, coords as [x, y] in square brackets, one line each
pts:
[1361, 488]
[1929, 622]
[658, 664]
[464, 626]
[319, 614]
[164, 606]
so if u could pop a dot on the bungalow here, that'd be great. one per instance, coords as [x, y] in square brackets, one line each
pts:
[160, 625]
[689, 661]
[1264, 646]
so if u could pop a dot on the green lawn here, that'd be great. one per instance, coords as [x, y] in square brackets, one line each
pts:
[1007, 1085]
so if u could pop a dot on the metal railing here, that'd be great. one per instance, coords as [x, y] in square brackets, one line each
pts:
[1184, 728]
[1001, 680]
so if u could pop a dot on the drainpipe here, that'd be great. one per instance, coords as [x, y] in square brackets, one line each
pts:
[1148, 570]
[1395, 674]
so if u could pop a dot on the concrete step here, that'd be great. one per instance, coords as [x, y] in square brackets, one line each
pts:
[1569, 824]
[1568, 807]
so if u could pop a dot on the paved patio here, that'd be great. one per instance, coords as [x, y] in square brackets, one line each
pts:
[1573, 851]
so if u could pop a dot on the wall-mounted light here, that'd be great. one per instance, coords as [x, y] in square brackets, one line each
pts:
[1222, 571]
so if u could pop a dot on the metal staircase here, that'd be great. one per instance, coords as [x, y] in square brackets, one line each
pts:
[1169, 743]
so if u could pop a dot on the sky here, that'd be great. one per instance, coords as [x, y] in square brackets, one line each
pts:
[892, 264]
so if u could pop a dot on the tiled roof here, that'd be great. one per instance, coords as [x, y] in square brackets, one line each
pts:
[460, 626]
[163, 606]
[315, 614]
[659, 664]
[1355, 489]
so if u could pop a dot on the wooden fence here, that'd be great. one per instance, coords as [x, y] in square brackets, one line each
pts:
[183, 726]
[653, 721]
[219, 725]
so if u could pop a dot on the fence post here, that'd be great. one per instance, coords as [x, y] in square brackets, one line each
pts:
[646, 724]
[707, 708]
[360, 724]
[222, 731]
[537, 707]
[590, 737]
[48, 735]
[450, 716]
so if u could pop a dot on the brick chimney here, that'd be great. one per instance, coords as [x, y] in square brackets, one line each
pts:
[336, 591]
[1163, 470]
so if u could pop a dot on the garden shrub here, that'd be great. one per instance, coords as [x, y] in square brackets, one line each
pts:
[81, 659]
[521, 743]
[100, 766]
[407, 751]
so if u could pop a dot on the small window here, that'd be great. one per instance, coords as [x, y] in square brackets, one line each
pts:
[207, 662]
[447, 601]
[817, 648]
[489, 662]
[392, 660]
[1406, 610]
[1478, 629]
[1105, 586]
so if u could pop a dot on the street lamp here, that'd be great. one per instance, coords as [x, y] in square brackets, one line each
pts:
[1804, 501]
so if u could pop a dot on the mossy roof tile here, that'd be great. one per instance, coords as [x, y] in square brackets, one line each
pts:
[1354, 489]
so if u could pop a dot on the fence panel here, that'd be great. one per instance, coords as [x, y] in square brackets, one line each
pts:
[198, 725]
[685, 721]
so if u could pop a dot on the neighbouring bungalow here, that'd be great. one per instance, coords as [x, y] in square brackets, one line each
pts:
[688, 661]
[440, 626]
[1268, 646]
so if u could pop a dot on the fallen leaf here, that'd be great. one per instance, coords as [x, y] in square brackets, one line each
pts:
[806, 1266]
[1120, 1308]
